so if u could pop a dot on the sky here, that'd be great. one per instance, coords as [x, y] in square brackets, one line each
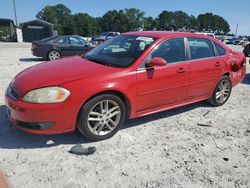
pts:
[235, 12]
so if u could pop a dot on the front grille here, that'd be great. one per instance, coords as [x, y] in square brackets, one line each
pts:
[12, 93]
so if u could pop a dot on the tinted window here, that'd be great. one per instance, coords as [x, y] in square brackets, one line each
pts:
[76, 41]
[63, 41]
[200, 48]
[171, 50]
[221, 51]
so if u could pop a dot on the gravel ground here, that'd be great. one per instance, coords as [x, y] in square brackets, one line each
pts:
[168, 149]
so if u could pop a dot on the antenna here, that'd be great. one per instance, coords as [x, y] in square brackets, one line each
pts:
[236, 29]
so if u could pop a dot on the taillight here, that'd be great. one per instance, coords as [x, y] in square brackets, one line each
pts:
[34, 46]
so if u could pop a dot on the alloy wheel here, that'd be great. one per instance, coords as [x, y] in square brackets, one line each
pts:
[104, 117]
[223, 91]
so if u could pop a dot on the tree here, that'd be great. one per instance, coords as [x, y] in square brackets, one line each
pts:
[165, 20]
[84, 25]
[59, 15]
[134, 19]
[149, 23]
[193, 23]
[122, 20]
[213, 23]
[66, 23]
[180, 20]
[113, 20]
[130, 19]
[49, 14]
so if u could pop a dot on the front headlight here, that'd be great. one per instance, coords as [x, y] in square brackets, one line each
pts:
[47, 95]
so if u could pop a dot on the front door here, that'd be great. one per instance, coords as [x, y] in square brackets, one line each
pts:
[166, 85]
[78, 46]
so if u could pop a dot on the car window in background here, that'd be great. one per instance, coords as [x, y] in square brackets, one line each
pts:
[110, 35]
[221, 51]
[63, 41]
[120, 51]
[171, 50]
[77, 41]
[48, 38]
[200, 48]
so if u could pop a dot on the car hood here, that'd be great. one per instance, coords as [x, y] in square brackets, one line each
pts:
[56, 73]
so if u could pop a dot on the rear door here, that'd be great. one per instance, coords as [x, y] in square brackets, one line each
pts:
[163, 86]
[205, 67]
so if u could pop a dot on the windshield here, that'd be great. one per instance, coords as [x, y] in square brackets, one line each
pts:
[104, 34]
[121, 51]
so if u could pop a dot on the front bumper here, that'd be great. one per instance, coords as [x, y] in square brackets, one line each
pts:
[40, 118]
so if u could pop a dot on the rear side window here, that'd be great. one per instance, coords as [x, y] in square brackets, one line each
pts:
[221, 51]
[63, 41]
[200, 48]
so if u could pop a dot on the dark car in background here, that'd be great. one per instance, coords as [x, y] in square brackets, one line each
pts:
[246, 50]
[103, 37]
[55, 47]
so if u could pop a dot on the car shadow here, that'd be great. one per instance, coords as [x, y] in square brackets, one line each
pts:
[31, 59]
[13, 138]
[246, 80]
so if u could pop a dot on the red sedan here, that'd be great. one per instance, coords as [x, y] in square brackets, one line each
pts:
[132, 75]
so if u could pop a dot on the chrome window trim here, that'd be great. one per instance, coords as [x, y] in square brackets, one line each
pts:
[156, 47]
[187, 52]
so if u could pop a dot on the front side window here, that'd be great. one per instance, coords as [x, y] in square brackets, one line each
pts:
[120, 51]
[76, 41]
[200, 48]
[172, 51]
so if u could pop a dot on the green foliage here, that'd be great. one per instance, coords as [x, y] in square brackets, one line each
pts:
[130, 19]
[213, 23]
[123, 20]
[149, 23]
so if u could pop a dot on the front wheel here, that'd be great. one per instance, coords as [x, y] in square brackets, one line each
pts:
[101, 117]
[222, 92]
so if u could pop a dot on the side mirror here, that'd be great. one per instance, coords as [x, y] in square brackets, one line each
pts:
[157, 62]
[87, 44]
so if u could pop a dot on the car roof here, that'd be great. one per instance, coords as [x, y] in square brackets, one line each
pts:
[165, 34]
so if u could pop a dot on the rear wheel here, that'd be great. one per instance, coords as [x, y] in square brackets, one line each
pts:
[53, 55]
[222, 92]
[101, 117]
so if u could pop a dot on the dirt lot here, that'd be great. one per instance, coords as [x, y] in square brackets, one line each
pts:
[168, 149]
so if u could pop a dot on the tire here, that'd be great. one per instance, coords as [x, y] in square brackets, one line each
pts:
[221, 92]
[53, 55]
[97, 123]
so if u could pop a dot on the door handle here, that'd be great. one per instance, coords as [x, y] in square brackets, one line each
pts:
[217, 64]
[180, 71]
